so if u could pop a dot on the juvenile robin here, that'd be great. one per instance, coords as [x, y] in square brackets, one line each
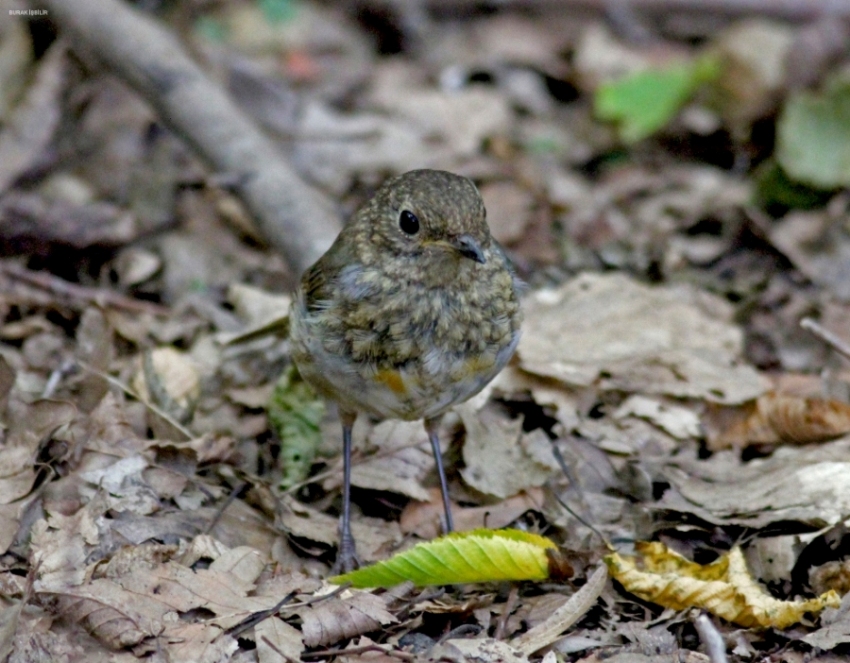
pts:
[413, 309]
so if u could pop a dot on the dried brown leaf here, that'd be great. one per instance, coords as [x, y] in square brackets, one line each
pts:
[476, 649]
[423, 518]
[782, 418]
[199, 643]
[375, 537]
[403, 461]
[501, 459]
[680, 342]
[114, 616]
[341, 618]
[31, 126]
[277, 641]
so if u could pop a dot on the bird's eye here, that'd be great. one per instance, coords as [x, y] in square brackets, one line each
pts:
[408, 222]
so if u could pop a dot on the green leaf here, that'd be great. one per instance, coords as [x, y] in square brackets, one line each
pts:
[295, 413]
[211, 29]
[482, 555]
[278, 11]
[813, 136]
[646, 101]
[777, 193]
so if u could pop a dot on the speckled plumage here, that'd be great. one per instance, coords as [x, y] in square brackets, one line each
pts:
[403, 326]
[380, 304]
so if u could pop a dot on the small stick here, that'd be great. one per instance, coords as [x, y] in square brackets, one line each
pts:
[99, 296]
[510, 604]
[711, 638]
[568, 614]
[837, 344]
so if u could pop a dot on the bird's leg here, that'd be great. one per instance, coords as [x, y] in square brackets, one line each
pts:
[431, 426]
[347, 559]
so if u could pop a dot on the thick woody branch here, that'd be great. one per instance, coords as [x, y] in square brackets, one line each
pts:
[295, 218]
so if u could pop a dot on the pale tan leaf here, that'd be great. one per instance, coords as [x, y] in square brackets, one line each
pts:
[244, 563]
[109, 613]
[33, 122]
[336, 619]
[277, 641]
[501, 459]
[175, 373]
[680, 342]
[476, 649]
[198, 643]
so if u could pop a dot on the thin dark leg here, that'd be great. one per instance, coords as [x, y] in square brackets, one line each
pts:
[347, 557]
[431, 426]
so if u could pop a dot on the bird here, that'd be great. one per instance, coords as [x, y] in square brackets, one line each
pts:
[413, 309]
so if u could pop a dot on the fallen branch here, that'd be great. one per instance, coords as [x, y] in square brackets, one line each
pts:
[295, 218]
[788, 9]
[79, 295]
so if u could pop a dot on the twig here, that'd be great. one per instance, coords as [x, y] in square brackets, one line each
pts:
[256, 617]
[510, 604]
[235, 493]
[711, 638]
[295, 218]
[837, 344]
[100, 296]
[327, 653]
[584, 520]
[568, 614]
[131, 392]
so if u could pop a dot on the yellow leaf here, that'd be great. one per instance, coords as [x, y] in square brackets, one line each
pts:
[724, 587]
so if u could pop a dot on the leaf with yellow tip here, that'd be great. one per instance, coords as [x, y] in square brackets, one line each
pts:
[481, 555]
[724, 587]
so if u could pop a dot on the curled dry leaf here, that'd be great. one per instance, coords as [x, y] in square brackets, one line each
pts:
[781, 418]
[724, 587]
[337, 619]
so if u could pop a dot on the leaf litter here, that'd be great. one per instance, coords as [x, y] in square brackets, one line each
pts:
[147, 508]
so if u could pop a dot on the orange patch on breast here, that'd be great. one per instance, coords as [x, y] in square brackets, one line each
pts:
[392, 379]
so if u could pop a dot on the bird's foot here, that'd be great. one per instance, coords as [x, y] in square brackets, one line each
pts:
[346, 559]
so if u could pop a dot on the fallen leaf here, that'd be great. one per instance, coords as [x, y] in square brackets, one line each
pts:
[277, 641]
[295, 412]
[337, 619]
[423, 518]
[402, 460]
[29, 130]
[813, 141]
[609, 330]
[481, 555]
[476, 649]
[804, 484]
[644, 102]
[501, 459]
[680, 422]
[781, 418]
[724, 587]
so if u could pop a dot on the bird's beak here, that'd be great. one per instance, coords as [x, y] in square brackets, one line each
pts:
[468, 248]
